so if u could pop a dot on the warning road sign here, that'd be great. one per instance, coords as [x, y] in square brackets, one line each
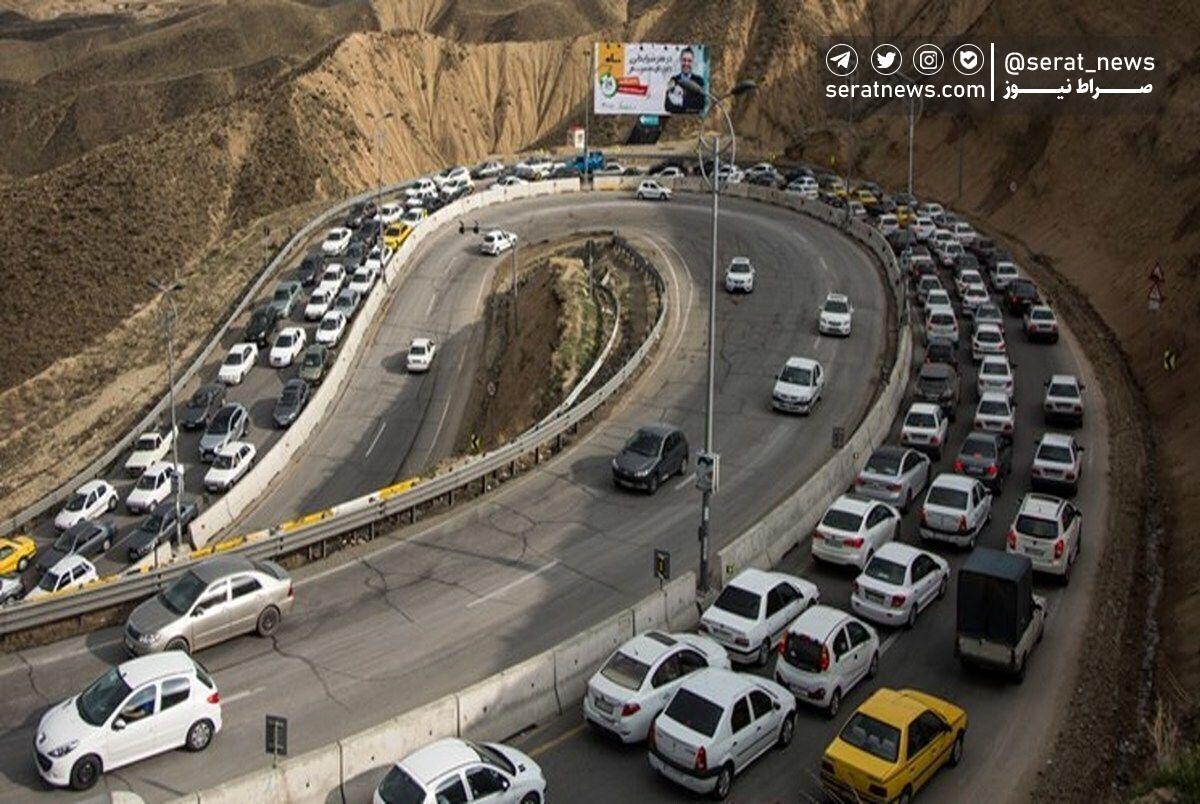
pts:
[1155, 297]
[1156, 273]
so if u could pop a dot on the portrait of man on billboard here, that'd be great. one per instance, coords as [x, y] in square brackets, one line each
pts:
[681, 99]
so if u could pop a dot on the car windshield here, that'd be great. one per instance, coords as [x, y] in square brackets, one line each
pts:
[988, 312]
[1036, 527]
[941, 319]
[698, 714]
[795, 375]
[625, 671]
[398, 787]
[179, 596]
[839, 519]
[918, 419]
[224, 461]
[282, 295]
[259, 319]
[199, 400]
[741, 602]
[97, 703]
[147, 442]
[833, 306]
[66, 542]
[887, 571]
[979, 447]
[947, 498]
[932, 382]
[1054, 453]
[1042, 315]
[312, 360]
[993, 407]
[1063, 389]
[644, 443]
[884, 463]
[873, 736]
[739, 268]
[77, 502]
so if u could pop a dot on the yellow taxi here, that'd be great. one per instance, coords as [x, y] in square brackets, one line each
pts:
[395, 235]
[904, 214]
[835, 186]
[891, 747]
[864, 197]
[15, 553]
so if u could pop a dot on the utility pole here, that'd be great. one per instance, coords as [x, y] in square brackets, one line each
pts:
[587, 117]
[169, 315]
[378, 122]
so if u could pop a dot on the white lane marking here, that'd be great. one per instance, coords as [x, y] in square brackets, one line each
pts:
[375, 440]
[887, 643]
[685, 481]
[513, 584]
[237, 696]
[482, 287]
[433, 297]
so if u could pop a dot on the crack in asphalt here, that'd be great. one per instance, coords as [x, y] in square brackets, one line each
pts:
[32, 682]
[386, 591]
[316, 670]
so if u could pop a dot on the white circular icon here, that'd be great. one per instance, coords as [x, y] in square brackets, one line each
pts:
[928, 59]
[968, 59]
[841, 59]
[886, 59]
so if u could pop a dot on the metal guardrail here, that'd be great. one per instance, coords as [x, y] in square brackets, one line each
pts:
[361, 513]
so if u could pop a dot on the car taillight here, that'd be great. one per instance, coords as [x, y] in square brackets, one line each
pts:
[215, 697]
[1058, 548]
[935, 440]
[741, 640]
[1078, 408]
[1012, 539]
[898, 601]
[853, 591]
[650, 734]
[1007, 427]
[993, 470]
[1070, 475]
[962, 524]
[1037, 471]
[824, 658]
[818, 536]
[701, 759]
[291, 591]
[854, 542]
[893, 486]
[630, 709]
[858, 480]
[924, 517]
[958, 466]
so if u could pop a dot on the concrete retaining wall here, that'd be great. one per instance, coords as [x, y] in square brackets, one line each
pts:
[306, 778]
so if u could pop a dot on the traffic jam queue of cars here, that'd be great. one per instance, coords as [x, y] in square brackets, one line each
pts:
[703, 721]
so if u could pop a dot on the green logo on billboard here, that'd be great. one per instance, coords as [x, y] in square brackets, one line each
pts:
[608, 85]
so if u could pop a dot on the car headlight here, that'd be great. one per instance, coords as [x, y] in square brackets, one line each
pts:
[149, 639]
[643, 472]
[63, 749]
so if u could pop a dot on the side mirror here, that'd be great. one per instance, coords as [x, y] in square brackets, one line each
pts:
[118, 724]
[196, 612]
[1080, 447]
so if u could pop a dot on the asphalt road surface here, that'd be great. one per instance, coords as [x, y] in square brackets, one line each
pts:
[440, 606]
[1010, 726]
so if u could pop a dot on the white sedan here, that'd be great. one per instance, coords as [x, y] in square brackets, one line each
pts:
[1057, 463]
[89, 501]
[336, 241]
[151, 446]
[364, 279]
[996, 413]
[230, 463]
[926, 428]
[379, 257]
[753, 610]
[1063, 399]
[739, 276]
[318, 304]
[511, 181]
[288, 345]
[894, 475]
[496, 242]
[637, 681]
[332, 279]
[237, 363]
[420, 355]
[988, 340]
[154, 486]
[852, 529]
[899, 583]
[996, 374]
[717, 724]
[955, 510]
[331, 328]
[390, 212]
[650, 189]
[494, 773]
[798, 386]
[835, 316]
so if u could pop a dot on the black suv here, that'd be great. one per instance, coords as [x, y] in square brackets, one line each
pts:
[653, 454]
[207, 400]
[160, 527]
[261, 328]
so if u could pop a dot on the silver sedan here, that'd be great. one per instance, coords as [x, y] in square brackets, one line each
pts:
[895, 475]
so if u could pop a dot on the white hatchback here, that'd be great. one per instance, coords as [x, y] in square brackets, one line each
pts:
[89, 501]
[145, 706]
[445, 770]
[752, 611]
[739, 276]
[69, 572]
[898, 583]
[852, 529]
[637, 681]
[835, 316]
[154, 486]
[336, 241]
[420, 355]
[1048, 530]
[650, 189]
[824, 654]
[798, 386]
[717, 724]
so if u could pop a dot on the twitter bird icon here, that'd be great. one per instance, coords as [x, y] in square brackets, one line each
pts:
[886, 59]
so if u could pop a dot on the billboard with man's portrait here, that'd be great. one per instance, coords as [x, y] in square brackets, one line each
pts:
[647, 79]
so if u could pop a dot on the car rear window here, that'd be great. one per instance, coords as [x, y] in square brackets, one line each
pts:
[698, 714]
[1062, 389]
[873, 736]
[398, 787]
[979, 447]
[741, 602]
[920, 420]
[884, 463]
[625, 671]
[994, 369]
[993, 407]
[947, 498]
[1054, 454]
[1037, 527]
[881, 569]
[838, 519]
[803, 652]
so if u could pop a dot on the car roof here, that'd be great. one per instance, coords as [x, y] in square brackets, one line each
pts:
[1064, 378]
[899, 552]
[924, 407]
[994, 359]
[230, 447]
[988, 326]
[722, 687]
[853, 503]
[1056, 439]
[420, 342]
[1046, 506]
[91, 486]
[954, 481]
[993, 396]
[68, 562]
[836, 297]
[818, 622]
[936, 370]
[658, 428]
[892, 707]
[649, 646]
[145, 669]
[428, 763]
[801, 362]
[217, 567]
[981, 434]
[755, 580]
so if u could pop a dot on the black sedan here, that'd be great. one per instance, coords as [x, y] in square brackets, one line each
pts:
[291, 401]
[653, 454]
[86, 538]
[160, 527]
[207, 400]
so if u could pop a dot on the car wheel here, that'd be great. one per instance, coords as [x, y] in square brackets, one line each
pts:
[942, 586]
[905, 797]
[653, 485]
[683, 465]
[531, 798]
[908, 501]
[178, 643]
[1020, 674]
[911, 622]
[956, 752]
[1065, 579]
[85, 772]
[874, 667]
[105, 547]
[641, 197]
[787, 729]
[268, 621]
[764, 653]
[199, 735]
[22, 563]
[835, 703]
[112, 503]
[724, 782]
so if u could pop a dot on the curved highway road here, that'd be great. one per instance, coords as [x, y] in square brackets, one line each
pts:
[465, 594]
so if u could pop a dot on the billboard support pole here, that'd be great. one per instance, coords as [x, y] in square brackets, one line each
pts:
[587, 117]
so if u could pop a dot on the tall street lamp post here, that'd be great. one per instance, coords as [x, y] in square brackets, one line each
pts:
[170, 313]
